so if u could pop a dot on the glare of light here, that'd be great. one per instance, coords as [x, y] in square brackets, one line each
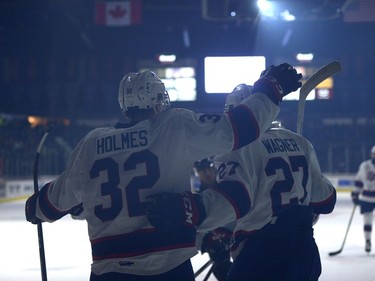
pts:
[36, 121]
[167, 58]
[324, 94]
[305, 57]
[264, 6]
[287, 16]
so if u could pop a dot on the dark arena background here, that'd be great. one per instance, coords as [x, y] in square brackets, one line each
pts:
[61, 62]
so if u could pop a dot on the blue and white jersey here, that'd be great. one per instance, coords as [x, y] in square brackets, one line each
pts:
[264, 178]
[365, 181]
[113, 170]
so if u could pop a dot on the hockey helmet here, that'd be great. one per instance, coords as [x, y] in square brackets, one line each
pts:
[239, 93]
[204, 164]
[373, 150]
[276, 124]
[143, 90]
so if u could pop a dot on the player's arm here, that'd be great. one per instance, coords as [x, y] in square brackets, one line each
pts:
[255, 114]
[244, 123]
[208, 210]
[221, 204]
[39, 208]
[358, 184]
[56, 198]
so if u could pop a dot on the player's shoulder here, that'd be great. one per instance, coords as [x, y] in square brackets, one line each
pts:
[178, 110]
[224, 157]
[101, 131]
[187, 115]
[284, 133]
[367, 163]
[175, 112]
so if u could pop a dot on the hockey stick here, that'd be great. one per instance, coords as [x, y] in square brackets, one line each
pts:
[203, 268]
[346, 234]
[209, 273]
[318, 77]
[42, 256]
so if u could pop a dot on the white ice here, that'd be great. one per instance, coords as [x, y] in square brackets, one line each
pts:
[68, 253]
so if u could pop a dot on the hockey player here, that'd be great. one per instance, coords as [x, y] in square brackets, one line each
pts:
[218, 241]
[275, 186]
[204, 173]
[113, 170]
[363, 195]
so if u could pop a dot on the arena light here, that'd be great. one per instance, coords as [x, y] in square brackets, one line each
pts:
[287, 16]
[266, 8]
[167, 58]
[223, 73]
[308, 57]
[275, 10]
[35, 121]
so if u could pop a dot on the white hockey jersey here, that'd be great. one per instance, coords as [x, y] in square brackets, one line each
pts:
[365, 181]
[260, 180]
[113, 170]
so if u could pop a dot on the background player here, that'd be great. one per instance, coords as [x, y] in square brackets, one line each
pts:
[276, 186]
[218, 241]
[363, 194]
[204, 174]
[113, 169]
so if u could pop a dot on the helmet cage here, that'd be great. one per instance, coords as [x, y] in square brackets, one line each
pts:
[143, 91]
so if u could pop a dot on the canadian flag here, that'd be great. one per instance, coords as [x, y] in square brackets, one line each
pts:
[118, 13]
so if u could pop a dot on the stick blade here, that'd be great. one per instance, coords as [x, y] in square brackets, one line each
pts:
[335, 253]
[319, 76]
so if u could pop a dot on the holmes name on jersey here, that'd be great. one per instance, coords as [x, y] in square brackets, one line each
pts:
[122, 141]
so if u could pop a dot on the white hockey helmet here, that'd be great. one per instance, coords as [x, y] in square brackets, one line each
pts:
[276, 124]
[241, 92]
[142, 90]
[373, 150]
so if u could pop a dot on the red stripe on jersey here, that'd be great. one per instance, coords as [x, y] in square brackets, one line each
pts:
[46, 207]
[326, 206]
[240, 117]
[142, 242]
[236, 193]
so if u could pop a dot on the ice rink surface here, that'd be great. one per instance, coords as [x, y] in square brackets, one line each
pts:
[68, 253]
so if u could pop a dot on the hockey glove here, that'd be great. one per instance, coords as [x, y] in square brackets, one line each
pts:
[217, 244]
[278, 81]
[30, 209]
[355, 197]
[76, 212]
[170, 211]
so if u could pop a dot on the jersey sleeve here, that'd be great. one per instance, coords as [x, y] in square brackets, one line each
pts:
[219, 210]
[227, 201]
[60, 196]
[360, 178]
[222, 133]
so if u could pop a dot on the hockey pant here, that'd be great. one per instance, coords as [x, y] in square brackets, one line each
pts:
[285, 251]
